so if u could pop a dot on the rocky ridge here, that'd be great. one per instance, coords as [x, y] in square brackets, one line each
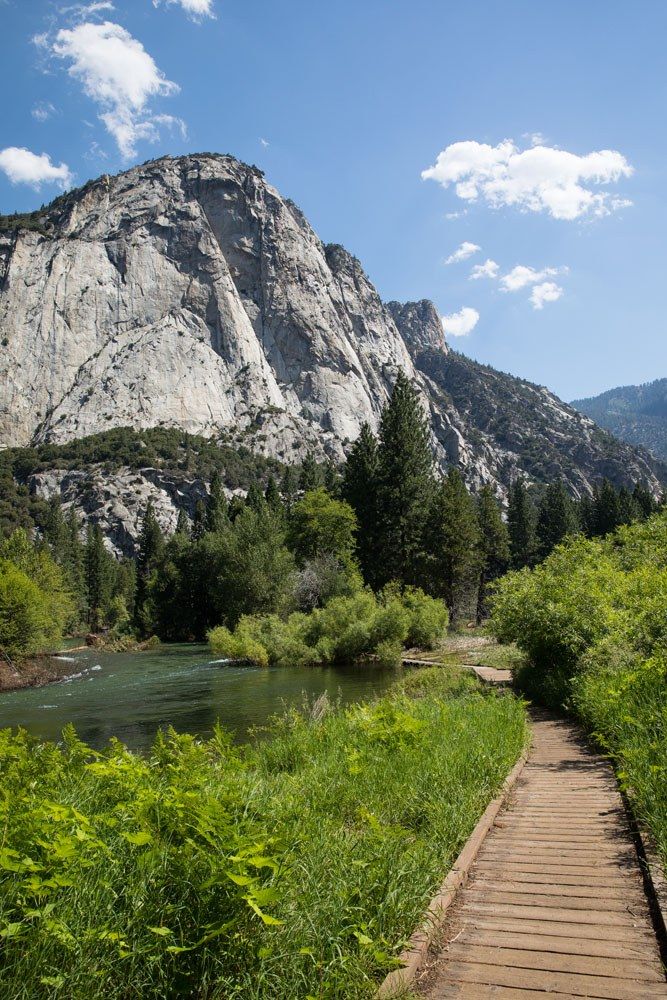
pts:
[188, 293]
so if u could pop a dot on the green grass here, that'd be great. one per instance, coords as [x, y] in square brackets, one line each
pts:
[294, 868]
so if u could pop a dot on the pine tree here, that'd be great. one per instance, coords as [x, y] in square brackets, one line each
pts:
[199, 521]
[607, 510]
[405, 485]
[289, 487]
[556, 519]
[311, 474]
[494, 542]
[644, 500]
[272, 496]
[454, 554]
[359, 488]
[628, 508]
[151, 547]
[216, 505]
[521, 518]
[182, 524]
[98, 576]
[255, 498]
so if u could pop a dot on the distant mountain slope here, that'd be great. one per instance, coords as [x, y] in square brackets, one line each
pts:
[634, 413]
[187, 293]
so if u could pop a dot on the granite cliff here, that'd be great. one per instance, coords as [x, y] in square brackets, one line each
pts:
[188, 293]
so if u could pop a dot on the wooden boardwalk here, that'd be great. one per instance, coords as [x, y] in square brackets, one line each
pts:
[555, 903]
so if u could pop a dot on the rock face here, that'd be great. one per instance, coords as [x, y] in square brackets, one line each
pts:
[187, 293]
[117, 502]
[634, 413]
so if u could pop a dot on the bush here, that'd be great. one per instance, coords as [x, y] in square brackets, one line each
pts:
[237, 646]
[389, 654]
[25, 623]
[345, 630]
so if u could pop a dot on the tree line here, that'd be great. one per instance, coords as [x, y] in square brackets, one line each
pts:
[319, 532]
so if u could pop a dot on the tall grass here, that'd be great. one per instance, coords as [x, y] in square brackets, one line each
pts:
[294, 868]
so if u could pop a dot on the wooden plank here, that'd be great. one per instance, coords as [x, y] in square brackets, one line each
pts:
[625, 894]
[571, 910]
[522, 924]
[586, 965]
[602, 987]
[500, 938]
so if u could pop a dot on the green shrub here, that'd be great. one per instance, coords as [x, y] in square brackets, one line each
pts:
[237, 646]
[389, 653]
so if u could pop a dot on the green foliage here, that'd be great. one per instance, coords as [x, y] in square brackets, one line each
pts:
[287, 869]
[346, 629]
[320, 525]
[521, 523]
[359, 488]
[35, 603]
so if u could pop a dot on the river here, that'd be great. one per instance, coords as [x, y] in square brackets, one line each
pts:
[132, 695]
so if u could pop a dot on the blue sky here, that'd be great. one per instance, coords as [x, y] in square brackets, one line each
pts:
[549, 118]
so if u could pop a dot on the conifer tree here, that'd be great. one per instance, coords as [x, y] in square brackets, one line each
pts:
[453, 542]
[521, 518]
[255, 498]
[556, 518]
[606, 509]
[289, 487]
[216, 505]
[151, 547]
[494, 542]
[359, 488]
[629, 511]
[311, 474]
[199, 521]
[182, 524]
[644, 501]
[272, 496]
[98, 571]
[405, 485]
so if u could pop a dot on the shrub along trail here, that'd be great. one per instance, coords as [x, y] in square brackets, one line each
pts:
[294, 868]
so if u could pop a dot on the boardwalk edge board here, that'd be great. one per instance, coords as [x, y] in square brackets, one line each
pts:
[412, 959]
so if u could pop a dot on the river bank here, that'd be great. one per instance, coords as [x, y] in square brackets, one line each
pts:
[35, 672]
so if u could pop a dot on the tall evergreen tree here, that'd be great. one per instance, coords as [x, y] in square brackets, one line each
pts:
[405, 484]
[494, 542]
[151, 547]
[311, 474]
[359, 488]
[521, 523]
[606, 509]
[199, 521]
[255, 498]
[556, 518]
[98, 569]
[216, 505]
[644, 500]
[628, 509]
[183, 524]
[272, 496]
[453, 543]
[331, 479]
[289, 487]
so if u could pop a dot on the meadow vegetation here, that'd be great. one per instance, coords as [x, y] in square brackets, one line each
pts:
[592, 623]
[292, 868]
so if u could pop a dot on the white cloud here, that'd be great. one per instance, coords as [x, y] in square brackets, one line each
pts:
[264, 142]
[547, 291]
[489, 269]
[120, 76]
[539, 179]
[522, 276]
[462, 253]
[24, 167]
[461, 323]
[196, 9]
[43, 111]
[456, 215]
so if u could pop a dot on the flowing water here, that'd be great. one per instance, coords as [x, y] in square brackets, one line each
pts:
[132, 695]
